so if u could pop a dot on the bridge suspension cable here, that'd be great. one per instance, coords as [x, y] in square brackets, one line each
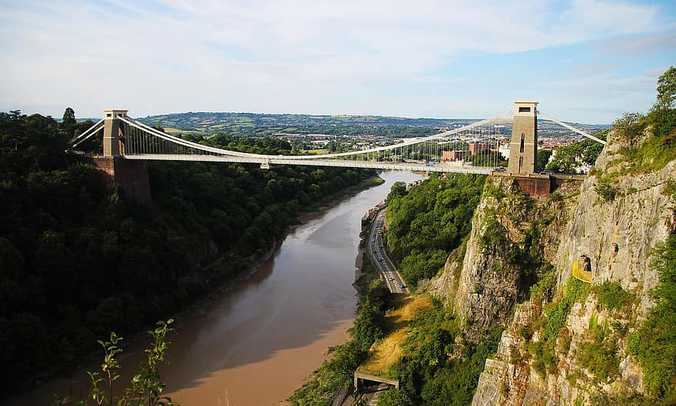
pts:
[472, 148]
[573, 129]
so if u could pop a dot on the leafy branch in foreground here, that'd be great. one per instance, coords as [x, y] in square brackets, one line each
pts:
[145, 389]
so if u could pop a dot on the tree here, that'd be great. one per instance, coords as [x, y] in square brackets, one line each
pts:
[666, 89]
[68, 124]
[398, 190]
[569, 158]
[542, 159]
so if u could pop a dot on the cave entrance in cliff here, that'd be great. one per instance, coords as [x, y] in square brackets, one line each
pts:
[582, 269]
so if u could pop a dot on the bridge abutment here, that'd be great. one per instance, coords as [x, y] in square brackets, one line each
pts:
[131, 176]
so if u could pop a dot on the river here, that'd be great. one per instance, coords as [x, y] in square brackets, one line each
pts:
[260, 340]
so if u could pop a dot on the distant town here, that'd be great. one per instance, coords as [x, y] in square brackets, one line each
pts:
[322, 134]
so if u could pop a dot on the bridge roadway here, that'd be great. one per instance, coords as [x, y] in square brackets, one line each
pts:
[380, 259]
[448, 167]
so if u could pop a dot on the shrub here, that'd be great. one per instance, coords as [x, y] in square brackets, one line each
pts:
[598, 353]
[394, 397]
[654, 344]
[543, 290]
[557, 313]
[605, 190]
[612, 296]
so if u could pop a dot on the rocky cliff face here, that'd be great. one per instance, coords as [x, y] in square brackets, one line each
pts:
[490, 273]
[564, 341]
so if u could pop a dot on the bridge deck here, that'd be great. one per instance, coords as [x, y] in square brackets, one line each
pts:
[342, 163]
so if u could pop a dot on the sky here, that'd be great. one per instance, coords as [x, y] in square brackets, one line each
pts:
[583, 60]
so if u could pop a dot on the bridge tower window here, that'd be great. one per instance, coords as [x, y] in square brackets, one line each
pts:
[521, 148]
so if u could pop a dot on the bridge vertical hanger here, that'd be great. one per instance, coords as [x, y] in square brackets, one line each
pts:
[113, 132]
[523, 147]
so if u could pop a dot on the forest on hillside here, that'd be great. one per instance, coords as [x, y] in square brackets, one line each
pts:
[430, 220]
[78, 260]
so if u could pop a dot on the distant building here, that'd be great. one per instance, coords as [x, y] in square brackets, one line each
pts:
[503, 149]
[477, 147]
[456, 155]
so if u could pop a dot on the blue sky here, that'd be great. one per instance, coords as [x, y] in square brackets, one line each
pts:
[584, 60]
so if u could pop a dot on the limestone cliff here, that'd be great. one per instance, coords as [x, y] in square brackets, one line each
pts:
[564, 341]
[567, 343]
[510, 244]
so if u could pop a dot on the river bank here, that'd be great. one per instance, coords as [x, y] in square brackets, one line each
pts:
[331, 383]
[329, 330]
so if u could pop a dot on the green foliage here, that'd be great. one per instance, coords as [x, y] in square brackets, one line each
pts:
[394, 397]
[68, 123]
[494, 235]
[598, 352]
[557, 312]
[605, 190]
[425, 373]
[554, 319]
[568, 158]
[455, 382]
[261, 125]
[670, 189]
[145, 387]
[543, 157]
[398, 190]
[526, 257]
[612, 296]
[666, 88]
[654, 344]
[544, 356]
[430, 221]
[78, 260]
[544, 289]
[422, 265]
[648, 154]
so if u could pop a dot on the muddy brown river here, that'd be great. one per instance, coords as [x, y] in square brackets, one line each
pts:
[260, 341]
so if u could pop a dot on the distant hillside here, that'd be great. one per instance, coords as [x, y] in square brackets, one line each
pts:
[256, 124]
[268, 124]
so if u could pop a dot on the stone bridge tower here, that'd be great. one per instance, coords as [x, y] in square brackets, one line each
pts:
[523, 147]
[113, 137]
[131, 176]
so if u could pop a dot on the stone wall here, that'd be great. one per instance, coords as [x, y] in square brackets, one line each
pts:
[131, 176]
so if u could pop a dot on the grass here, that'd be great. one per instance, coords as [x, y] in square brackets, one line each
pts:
[387, 352]
[652, 155]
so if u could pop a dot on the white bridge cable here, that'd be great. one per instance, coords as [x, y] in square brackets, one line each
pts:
[476, 144]
[220, 151]
[573, 129]
[87, 134]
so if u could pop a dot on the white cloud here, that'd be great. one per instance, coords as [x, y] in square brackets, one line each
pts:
[278, 56]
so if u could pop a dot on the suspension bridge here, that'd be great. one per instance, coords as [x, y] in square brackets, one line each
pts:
[474, 148]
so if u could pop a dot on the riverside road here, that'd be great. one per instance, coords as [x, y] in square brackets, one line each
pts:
[380, 259]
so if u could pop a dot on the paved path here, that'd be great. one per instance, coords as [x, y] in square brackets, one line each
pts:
[380, 259]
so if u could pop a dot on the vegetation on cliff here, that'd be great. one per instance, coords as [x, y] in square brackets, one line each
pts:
[77, 260]
[437, 367]
[568, 158]
[654, 344]
[430, 220]
[608, 339]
